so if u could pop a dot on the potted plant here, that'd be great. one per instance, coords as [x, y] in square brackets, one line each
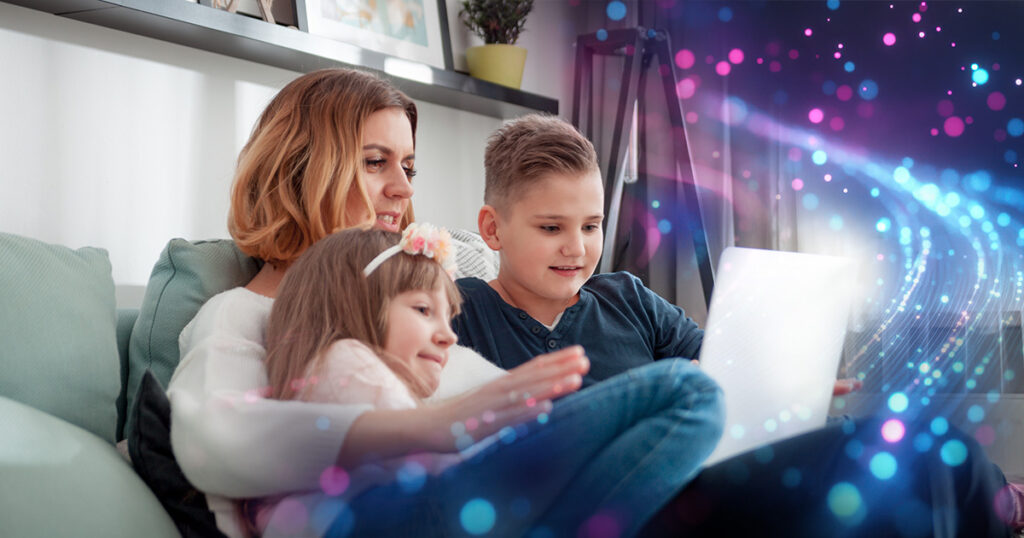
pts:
[499, 23]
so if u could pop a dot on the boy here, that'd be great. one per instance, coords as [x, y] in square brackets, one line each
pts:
[544, 206]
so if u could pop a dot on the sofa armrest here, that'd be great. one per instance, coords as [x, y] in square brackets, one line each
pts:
[57, 479]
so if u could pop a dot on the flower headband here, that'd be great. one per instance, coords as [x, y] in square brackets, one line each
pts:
[420, 238]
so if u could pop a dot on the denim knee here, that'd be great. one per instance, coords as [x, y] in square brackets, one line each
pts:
[680, 383]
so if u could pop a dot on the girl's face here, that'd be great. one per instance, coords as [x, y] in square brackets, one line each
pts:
[419, 333]
[389, 165]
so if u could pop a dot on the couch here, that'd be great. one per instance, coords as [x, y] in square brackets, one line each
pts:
[71, 368]
[71, 364]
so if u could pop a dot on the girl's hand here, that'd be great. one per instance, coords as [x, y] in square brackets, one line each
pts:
[520, 396]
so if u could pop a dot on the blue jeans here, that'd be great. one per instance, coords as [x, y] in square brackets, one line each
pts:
[607, 459]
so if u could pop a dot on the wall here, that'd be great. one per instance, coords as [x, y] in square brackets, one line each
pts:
[119, 141]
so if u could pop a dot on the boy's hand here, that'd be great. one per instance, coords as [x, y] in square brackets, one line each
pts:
[509, 400]
[846, 386]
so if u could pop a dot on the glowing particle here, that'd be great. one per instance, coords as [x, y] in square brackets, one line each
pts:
[953, 452]
[1015, 127]
[1003, 219]
[723, 68]
[770, 425]
[922, 442]
[686, 88]
[810, 202]
[916, 17]
[477, 516]
[411, 477]
[875, 192]
[685, 59]
[893, 430]
[797, 184]
[920, 34]
[819, 157]
[1018, 82]
[828, 177]
[655, 204]
[898, 401]
[979, 76]
[794, 54]
[791, 477]
[976, 413]
[836, 123]
[996, 101]
[889, 39]
[808, 32]
[883, 465]
[334, 481]
[725, 14]
[849, 66]
[883, 225]
[737, 431]
[837, 55]
[774, 66]
[953, 126]
[664, 226]
[868, 89]
[844, 93]
[816, 115]
[832, 4]
[736, 56]
[616, 10]
[939, 426]
[602, 34]
[844, 500]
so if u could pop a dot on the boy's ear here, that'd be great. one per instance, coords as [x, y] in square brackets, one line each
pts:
[487, 223]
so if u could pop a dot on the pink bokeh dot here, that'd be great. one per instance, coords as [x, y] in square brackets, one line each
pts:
[794, 54]
[938, 28]
[760, 61]
[808, 32]
[686, 88]
[916, 17]
[996, 101]
[775, 66]
[969, 120]
[924, 6]
[798, 184]
[736, 56]
[985, 435]
[953, 126]
[794, 154]
[893, 430]
[945, 108]
[999, 135]
[889, 39]
[334, 480]
[953, 44]
[290, 516]
[692, 117]
[844, 93]
[828, 178]
[920, 34]
[836, 123]
[837, 55]
[723, 68]
[839, 46]
[995, 67]
[815, 115]
[685, 59]
[934, 131]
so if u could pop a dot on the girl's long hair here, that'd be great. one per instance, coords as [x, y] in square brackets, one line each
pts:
[324, 297]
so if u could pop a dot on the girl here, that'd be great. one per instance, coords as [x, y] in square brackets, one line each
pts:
[363, 318]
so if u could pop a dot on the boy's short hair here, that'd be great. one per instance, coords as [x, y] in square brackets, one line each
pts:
[527, 148]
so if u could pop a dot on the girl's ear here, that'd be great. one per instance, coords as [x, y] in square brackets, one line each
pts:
[487, 223]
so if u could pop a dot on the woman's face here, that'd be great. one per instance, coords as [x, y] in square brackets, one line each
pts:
[389, 165]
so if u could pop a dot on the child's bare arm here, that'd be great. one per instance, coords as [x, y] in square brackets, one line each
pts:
[522, 395]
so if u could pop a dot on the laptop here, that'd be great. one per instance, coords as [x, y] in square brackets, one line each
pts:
[773, 341]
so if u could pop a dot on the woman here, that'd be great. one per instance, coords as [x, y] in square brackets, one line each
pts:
[333, 150]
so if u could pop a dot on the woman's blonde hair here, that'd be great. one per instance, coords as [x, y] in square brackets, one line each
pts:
[302, 164]
[324, 297]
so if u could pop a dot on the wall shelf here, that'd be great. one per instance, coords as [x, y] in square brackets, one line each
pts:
[239, 36]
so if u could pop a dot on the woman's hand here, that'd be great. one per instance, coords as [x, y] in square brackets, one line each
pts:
[522, 395]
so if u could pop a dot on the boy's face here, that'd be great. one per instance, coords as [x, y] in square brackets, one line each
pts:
[550, 238]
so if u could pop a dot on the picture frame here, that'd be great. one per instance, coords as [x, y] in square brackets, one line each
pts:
[413, 30]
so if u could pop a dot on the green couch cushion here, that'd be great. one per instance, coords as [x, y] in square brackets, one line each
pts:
[58, 480]
[186, 275]
[58, 328]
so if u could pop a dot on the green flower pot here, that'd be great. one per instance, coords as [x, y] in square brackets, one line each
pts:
[500, 64]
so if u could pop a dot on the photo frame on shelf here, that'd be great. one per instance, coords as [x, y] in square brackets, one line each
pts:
[414, 30]
[282, 11]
